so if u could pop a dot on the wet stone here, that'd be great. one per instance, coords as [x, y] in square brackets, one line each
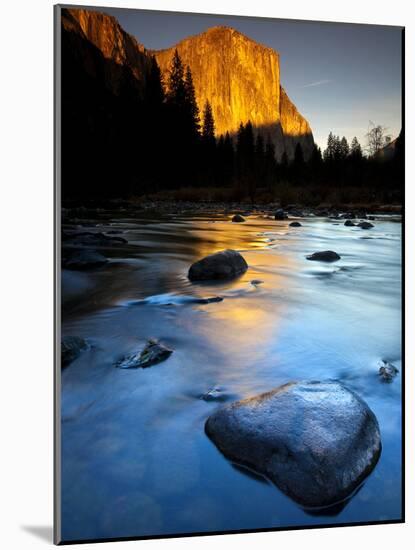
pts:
[316, 441]
[221, 265]
[324, 256]
[387, 371]
[238, 218]
[153, 353]
[71, 348]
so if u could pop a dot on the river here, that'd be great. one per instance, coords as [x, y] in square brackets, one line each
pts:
[135, 458]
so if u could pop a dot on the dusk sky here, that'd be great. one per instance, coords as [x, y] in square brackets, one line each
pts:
[340, 76]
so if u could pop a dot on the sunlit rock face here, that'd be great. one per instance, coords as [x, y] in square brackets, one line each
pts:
[117, 46]
[241, 80]
[239, 77]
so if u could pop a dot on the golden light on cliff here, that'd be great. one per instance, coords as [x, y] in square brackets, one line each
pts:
[241, 80]
[238, 76]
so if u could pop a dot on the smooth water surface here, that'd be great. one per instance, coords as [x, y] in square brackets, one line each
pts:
[135, 458]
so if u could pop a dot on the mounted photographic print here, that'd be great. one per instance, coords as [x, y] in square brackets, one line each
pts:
[229, 207]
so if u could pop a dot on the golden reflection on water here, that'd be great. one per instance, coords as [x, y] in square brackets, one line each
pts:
[217, 236]
[249, 316]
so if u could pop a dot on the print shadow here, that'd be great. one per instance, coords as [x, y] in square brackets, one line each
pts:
[43, 532]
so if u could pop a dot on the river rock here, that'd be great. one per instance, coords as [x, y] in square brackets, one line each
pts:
[226, 264]
[71, 348]
[153, 353]
[295, 224]
[238, 218]
[324, 256]
[365, 225]
[87, 238]
[280, 214]
[296, 213]
[349, 223]
[214, 394]
[212, 300]
[83, 259]
[317, 441]
[387, 372]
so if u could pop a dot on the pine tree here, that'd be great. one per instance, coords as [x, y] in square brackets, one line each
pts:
[336, 148]
[154, 93]
[191, 103]
[151, 123]
[209, 162]
[297, 167]
[270, 163]
[329, 151]
[344, 149]
[356, 149]
[228, 159]
[298, 156]
[208, 131]
[176, 91]
[316, 161]
[245, 160]
[259, 147]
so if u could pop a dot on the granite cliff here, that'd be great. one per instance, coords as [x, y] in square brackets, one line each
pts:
[238, 76]
[241, 80]
[121, 51]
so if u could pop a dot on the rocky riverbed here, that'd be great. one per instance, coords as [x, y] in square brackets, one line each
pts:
[136, 459]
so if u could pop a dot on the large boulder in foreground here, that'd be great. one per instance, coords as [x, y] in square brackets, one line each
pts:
[221, 265]
[317, 441]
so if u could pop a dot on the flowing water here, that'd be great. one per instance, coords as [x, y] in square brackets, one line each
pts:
[135, 458]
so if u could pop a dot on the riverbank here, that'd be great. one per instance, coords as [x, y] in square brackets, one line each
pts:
[144, 207]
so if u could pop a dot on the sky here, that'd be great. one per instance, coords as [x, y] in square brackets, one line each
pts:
[339, 76]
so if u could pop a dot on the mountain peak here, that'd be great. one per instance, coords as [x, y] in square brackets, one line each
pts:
[237, 75]
[241, 80]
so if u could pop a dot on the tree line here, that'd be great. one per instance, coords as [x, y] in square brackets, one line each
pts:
[145, 141]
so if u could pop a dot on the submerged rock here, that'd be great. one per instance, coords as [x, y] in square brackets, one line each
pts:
[71, 348]
[214, 394]
[387, 372]
[280, 214]
[324, 256]
[349, 223]
[295, 224]
[238, 218]
[212, 300]
[83, 259]
[87, 238]
[153, 353]
[221, 265]
[317, 441]
[296, 213]
[365, 225]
